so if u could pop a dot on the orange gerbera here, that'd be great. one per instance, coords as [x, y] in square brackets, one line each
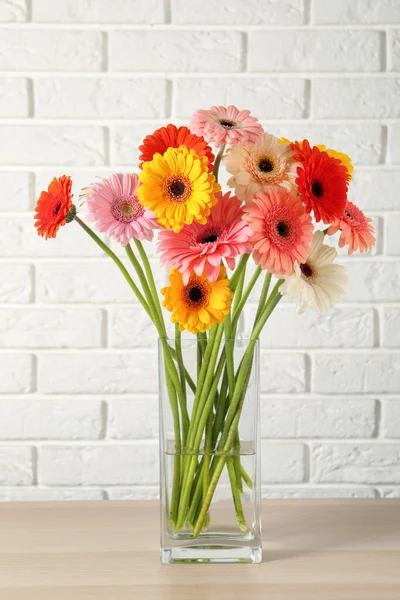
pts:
[356, 229]
[173, 137]
[54, 207]
[322, 182]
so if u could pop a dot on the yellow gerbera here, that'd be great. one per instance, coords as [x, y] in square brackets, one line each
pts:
[344, 158]
[178, 188]
[199, 304]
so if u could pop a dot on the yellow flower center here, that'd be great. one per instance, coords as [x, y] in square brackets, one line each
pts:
[177, 188]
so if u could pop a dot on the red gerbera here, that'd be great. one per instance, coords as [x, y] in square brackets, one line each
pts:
[172, 136]
[322, 182]
[356, 229]
[53, 207]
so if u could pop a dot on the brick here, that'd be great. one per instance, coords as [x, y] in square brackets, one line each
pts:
[355, 98]
[98, 11]
[51, 328]
[98, 373]
[391, 326]
[131, 328]
[125, 141]
[13, 11]
[59, 282]
[36, 494]
[282, 373]
[391, 419]
[364, 143]
[133, 418]
[16, 373]
[187, 51]
[305, 50]
[51, 145]
[394, 49]
[14, 97]
[20, 239]
[340, 327]
[231, 12]
[16, 465]
[134, 493]
[317, 492]
[282, 462]
[367, 186]
[98, 465]
[355, 11]
[317, 417]
[49, 50]
[100, 97]
[357, 373]
[373, 281]
[355, 463]
[65, 419]
[394, 143]
[15, 283]
[17, 191]
[266, 97]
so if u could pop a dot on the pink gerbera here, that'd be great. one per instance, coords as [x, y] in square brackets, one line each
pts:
[226, 125]
[201, 248]
[282, 230]
[356, 229]
[115, 208]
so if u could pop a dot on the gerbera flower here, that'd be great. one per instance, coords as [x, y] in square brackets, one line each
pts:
[199, 304]
[201, 248]
[226, 125]
[344, 159]
[54, 207]
[356, 229]
[282, 230]
[173, 137]
[114, 206]
[257, 168]
[322, 182]
[178, 188]
[317, 283]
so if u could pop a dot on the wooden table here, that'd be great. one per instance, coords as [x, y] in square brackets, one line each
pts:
[313, 550]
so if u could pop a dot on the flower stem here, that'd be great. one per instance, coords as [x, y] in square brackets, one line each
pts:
[217, 161]
[264, 294]
[119, 264]
[244, 299]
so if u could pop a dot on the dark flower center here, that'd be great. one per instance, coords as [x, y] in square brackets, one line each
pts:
[195, 294]
[346, 212]
[57, 208]
[177, 188]
[317, 189]
[306, 270]
[266, 165]
[209, 239]
[283, 229]
[227, 124]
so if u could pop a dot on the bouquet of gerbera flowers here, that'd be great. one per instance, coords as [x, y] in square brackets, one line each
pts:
[288, 198]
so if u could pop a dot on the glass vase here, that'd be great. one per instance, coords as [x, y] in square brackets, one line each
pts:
[209, 450]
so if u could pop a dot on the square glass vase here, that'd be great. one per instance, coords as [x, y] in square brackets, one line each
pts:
[209, 450]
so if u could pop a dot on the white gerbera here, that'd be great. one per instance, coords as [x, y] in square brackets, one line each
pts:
[317, 283]
[255, 168]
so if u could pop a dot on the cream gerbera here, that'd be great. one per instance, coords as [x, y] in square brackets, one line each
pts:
[317, 283]
[199, 304]
[257, 168]
[201, 248]
[356, 229]
[282, 230]
[226, 125]
[178, 188]
[115, 209]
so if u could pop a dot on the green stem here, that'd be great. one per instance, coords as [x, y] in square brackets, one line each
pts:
[234, 280]
[119, 264]
[217, 161]
[244, 298]
[264, 294]
[179, 357]
[236, 495]
[150, 279]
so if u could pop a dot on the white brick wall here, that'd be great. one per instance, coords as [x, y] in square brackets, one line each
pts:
[82, 82]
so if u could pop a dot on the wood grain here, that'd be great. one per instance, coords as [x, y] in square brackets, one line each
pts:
[313, 550]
